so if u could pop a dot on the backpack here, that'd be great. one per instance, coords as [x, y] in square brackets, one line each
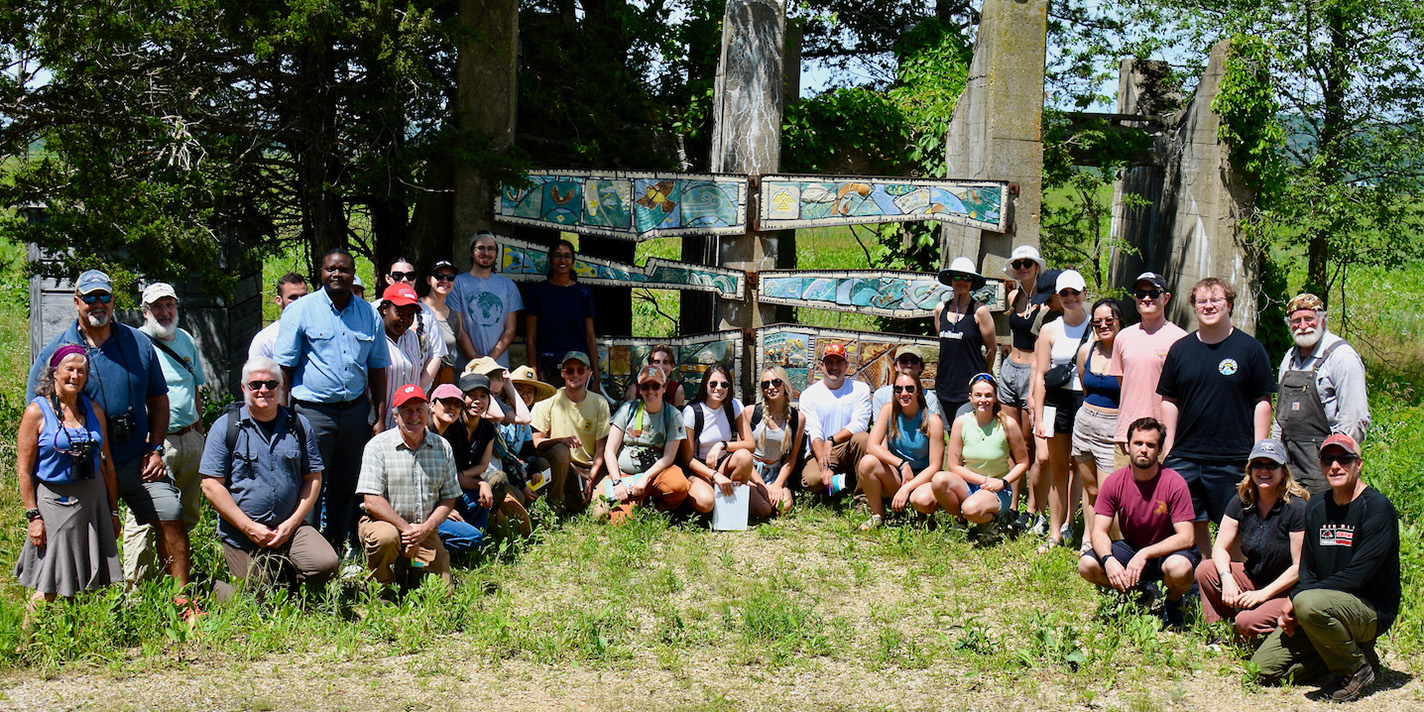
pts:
[793, 424]
[699, 421]
[232, 413]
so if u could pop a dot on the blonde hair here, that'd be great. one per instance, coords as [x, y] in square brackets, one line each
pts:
[1248, 490]
[786, 392]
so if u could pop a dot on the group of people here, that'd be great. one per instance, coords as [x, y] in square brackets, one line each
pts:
[390, 454]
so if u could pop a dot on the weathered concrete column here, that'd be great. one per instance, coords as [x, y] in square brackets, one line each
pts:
[486, 87]
[996, 130]
[1196, 199]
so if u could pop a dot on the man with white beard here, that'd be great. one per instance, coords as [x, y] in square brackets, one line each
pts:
[1322, 391]
[183, 447]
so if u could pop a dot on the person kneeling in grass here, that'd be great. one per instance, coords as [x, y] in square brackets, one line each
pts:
[718, 448]
[906, 451]
[987, 455]
[1154, 508]
[643, 440]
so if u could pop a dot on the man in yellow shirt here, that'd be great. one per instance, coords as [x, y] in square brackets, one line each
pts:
[569, 431]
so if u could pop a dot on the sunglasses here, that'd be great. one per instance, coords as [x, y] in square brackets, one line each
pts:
[650, 386]
[1345, 459]
[270, 385]
[1147, 293]
[1069, 292]
[772, 383]
[985, 377]
[718, 384]
[104, 298]
[1264, 465]
[402, 276]
[444, 276]
[960, 277]
[1022, 264]
[903, 389]
[1104, 322]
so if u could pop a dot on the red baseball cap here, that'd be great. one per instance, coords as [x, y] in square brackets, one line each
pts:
[1342, 441]
[401, 295]
[408, 392]
[835, 348]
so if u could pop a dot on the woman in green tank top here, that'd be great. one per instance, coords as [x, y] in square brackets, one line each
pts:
[987, 452]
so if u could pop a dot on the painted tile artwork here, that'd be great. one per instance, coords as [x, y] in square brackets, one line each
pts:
[524, 261]
[871, 355]
[631, 206]
[818, 201]
[624, 356]
[903, 295]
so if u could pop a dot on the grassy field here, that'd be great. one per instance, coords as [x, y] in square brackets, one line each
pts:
[805, 612]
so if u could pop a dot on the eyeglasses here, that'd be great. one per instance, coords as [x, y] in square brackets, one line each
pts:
[1264, 465]
[561, 256]
[402, 276]
[254, 386]
[1204, 302]
[103, 298]
[771, 383]
[718, 384]
[1104, 322]
[652, 386]
[444, 276]
[486, 248]
[1345, 459]
[1022, 264]
[1069, 292]
[903, 389]
[1147, 293]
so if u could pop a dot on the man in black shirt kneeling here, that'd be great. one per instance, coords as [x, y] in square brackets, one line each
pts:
[1348, 594]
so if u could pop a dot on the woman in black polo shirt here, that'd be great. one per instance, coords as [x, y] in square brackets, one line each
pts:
[1268, 520]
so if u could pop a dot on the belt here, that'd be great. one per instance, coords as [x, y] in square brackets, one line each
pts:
[338, 404]
[184, 431]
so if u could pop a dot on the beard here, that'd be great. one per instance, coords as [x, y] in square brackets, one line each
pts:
[98, 319]
[1307, 339]
[163, 332]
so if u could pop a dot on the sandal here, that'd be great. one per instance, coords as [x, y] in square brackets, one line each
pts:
[1050, 545]
[873, 522]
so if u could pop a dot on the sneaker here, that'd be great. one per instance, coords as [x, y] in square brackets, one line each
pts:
[1065, 532]
[1172, 616]
[1371, 656]
[1040, 525]
[1347, 688]
[1147, 593]
[1024, 521]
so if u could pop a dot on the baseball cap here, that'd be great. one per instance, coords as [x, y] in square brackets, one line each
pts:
[1070, 279]
[1342, 441]
[1304, 300]
[651, 373]
[446, 390]
[93, 281]
[471, 381]
[356, 281]
[400, 295]
[579, 356]
[835, 348]
[443, 264]
[406, 393]
[909, 353]
[157, 291]
[1044, 290]
[1152, 278]
[1269, 449]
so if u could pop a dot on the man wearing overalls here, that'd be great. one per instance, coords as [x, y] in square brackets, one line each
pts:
[1322, 391]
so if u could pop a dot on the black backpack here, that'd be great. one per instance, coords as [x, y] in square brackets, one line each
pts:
[699, 421]
[232, 411]
[793, 425]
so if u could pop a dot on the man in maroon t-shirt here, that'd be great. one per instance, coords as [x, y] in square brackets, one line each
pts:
[1154, 510]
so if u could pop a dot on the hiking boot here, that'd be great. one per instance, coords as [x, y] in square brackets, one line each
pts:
[1348, 687]
[1172, 615]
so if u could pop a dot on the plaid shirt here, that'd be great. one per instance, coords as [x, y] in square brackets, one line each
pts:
[413, 481]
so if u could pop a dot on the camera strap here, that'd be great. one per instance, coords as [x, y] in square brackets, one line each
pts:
[158, 343]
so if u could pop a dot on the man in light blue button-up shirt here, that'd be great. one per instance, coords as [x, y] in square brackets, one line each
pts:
[331, 348]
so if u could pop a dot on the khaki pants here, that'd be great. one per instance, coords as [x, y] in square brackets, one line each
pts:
[305, 559]
[182, 454]
[565, 493]
[667, 490]
[384, 552]
[1333, 624]
[843, 461]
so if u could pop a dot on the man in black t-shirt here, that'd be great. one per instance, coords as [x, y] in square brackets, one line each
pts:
[1216, 387]
[1349, 590]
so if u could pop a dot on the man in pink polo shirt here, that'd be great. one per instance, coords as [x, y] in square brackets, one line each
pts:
[1138, 354]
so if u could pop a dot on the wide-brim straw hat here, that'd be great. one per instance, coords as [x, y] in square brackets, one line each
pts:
[525, 375]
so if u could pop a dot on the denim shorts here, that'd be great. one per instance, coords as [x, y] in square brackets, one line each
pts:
[1006, 496]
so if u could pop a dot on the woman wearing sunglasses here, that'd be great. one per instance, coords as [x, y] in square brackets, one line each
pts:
[777, 433]
[643, 442]
[1096, 423]
[987, 455]
[663, 357]
[717, 453]
[1267, 521]
[904, 453]
[438, 316]
[1057, 393]
[966, 335]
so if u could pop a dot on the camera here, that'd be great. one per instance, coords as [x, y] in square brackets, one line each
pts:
[81, 461]
[645, 457]
[122, 427]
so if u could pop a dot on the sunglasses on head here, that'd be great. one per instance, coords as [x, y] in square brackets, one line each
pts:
[904, 389]
[402, 276]
[985, 377]
[771, 383]
[1343, 458]
[1147, 293]
[444, 276]
[103, 298]
[1022, 264]
[270, 385]
[1069, 292]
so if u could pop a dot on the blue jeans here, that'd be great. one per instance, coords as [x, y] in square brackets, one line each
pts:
[469, 535]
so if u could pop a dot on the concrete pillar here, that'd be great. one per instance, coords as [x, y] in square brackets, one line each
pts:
[996, 130]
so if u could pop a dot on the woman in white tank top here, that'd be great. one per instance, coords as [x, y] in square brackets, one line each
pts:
[1057, 346]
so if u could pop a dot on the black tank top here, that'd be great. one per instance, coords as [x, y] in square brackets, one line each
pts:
[961, 353]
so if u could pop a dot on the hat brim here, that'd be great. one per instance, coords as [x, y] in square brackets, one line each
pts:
[1009, 266]
[542, 390]
[976, 283]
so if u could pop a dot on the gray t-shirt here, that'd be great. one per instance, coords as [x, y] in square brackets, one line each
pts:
[642, 429]
[484, 304]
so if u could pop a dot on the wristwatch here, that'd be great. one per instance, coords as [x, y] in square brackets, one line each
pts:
[156, 448]
[32, 514]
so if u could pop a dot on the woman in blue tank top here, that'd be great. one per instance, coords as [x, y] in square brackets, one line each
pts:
[66, 480]
[903, 454]
[1096, 421]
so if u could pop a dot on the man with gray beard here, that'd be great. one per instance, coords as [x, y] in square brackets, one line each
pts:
[1322, 391]
[183, 446]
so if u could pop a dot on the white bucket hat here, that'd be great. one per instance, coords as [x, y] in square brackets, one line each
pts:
[1023, 252]
[962, 265]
